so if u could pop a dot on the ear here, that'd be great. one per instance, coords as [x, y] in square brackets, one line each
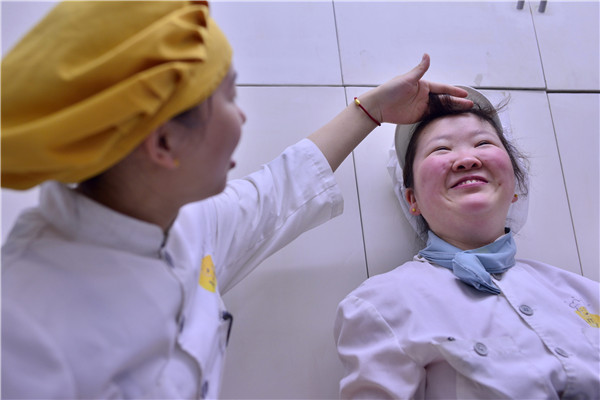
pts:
[515, 198]
[409, 196]
[158, 145]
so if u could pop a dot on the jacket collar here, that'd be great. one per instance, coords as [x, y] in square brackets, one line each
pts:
[83, 220]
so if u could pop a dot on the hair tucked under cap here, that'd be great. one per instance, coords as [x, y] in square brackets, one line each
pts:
[87, 84]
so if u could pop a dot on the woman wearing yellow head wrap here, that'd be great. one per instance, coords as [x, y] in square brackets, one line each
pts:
[125, 111]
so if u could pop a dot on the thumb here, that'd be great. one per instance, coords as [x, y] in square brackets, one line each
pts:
[417, 72]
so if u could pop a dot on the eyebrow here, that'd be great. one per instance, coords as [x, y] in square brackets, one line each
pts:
[474, 133]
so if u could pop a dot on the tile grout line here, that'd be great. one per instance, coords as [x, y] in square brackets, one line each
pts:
[564, 180]
[562, 171]
[360, 215]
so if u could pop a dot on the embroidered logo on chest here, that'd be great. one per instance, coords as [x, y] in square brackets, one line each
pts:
[579, 306]
[208, 279]
[592, 319]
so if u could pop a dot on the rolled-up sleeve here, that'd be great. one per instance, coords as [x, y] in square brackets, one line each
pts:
[259, 214]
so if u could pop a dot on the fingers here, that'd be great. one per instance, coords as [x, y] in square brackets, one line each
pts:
[417, 72]
[440, 88]
[456, 94]
[460, 103]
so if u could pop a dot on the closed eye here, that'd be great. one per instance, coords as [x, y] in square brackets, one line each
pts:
[483, 142]
[441, 148]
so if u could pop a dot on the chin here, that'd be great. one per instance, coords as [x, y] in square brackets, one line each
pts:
[480, 202]
[479, 207]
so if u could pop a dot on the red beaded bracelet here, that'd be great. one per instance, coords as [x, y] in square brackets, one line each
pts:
[357, 102]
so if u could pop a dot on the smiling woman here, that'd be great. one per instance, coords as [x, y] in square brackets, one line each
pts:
[463, 175]
[465, 319]
[482, 122]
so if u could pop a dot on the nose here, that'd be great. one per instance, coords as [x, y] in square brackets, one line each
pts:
[465, 162]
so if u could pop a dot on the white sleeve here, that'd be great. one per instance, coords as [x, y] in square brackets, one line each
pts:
[261, 213]
[376, 367]
[32, 366]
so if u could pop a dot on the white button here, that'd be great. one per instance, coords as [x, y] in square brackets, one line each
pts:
[481, 349]
[525, 309]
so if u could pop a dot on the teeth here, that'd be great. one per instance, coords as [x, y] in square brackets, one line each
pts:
[468, 182]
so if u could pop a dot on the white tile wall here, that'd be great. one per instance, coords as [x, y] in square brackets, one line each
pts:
[577, 123]
[277, 42]
[18, 17]
[290, 77]
[472, 43]
[568, 34]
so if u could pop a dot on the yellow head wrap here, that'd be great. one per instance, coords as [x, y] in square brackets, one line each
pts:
[87, 84]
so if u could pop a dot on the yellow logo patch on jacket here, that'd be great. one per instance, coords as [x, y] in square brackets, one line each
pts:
[208, 279]
[592, 319]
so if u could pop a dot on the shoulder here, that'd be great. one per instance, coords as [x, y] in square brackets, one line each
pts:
[554, 278]
[550, 272]
[409, 277]
[404, 289]
[32, 246]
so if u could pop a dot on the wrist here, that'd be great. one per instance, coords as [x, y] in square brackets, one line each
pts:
[363, 108]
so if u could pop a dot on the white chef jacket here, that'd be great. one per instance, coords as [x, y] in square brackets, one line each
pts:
[96, 304]
[418, 332]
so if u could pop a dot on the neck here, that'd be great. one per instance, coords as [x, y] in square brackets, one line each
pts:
[470, 239]
[132, 196]
[469, 231]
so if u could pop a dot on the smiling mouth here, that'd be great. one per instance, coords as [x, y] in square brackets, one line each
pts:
[469, 181]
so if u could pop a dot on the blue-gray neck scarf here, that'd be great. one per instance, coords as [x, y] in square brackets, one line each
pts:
[473, 266]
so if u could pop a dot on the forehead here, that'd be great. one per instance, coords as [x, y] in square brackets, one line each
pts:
[461, 124]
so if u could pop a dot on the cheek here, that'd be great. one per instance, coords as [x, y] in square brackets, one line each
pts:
[429, 176]
[430, 170]
[234, 127]
[223, 137]
[500, 162]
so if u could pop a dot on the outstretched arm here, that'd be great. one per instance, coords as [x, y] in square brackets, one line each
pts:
[402, 100]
